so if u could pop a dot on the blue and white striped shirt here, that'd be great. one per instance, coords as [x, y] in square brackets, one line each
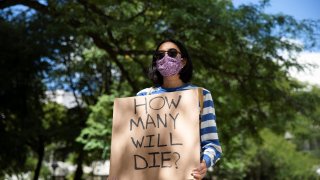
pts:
[210, 145]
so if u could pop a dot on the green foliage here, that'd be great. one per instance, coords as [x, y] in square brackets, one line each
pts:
[99, 50]
[54, 115]
[97, 134]
[281, 157]
[100, 123]
[272, 158]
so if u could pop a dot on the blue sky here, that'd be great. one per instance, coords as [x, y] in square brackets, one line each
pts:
[300, 9]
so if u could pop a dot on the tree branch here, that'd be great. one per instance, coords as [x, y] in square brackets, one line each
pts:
[95, 9]
[135, 52]
[142, 12]
[103, 45]
[75, 23]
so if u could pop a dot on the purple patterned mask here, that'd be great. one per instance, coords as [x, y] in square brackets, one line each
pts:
[168, 66]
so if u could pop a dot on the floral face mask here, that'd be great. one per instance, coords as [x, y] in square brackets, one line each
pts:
[168, 66]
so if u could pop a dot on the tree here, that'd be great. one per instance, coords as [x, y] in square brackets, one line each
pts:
[279, 159]
[106, 46]
[28, 122]
[20, 95]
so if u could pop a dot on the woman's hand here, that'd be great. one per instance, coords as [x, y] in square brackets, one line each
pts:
[200, 172]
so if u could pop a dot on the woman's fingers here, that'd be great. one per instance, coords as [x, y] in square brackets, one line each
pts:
[199, 172]
[196, 176]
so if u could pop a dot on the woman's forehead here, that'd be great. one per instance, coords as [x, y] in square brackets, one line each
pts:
[168, 45]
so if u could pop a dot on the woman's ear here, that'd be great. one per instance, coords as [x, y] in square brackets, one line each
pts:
[184, 62]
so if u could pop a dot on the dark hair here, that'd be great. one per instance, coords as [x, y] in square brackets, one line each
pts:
[186, 71]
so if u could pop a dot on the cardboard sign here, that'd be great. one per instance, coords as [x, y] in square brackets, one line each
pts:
[155, 136]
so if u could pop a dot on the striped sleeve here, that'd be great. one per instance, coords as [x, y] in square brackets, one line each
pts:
[143, 92]
[210, 144]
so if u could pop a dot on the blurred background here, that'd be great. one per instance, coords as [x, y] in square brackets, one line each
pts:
[62, 62]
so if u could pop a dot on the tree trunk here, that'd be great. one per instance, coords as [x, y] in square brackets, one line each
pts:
[40, 152]
[79, 172]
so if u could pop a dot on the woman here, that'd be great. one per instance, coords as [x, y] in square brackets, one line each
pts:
[172, 71]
